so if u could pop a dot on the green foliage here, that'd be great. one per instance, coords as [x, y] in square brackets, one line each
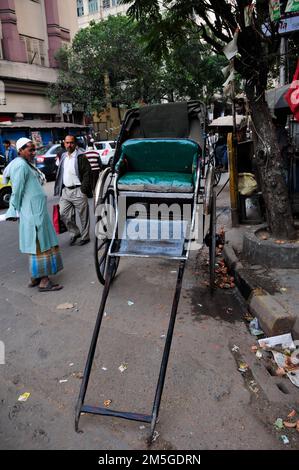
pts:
[215, 21]
[118, 49]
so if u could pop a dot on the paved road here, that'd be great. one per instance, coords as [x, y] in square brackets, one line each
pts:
[207, 403]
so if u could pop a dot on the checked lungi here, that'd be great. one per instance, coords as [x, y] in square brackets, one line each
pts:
[45, 264]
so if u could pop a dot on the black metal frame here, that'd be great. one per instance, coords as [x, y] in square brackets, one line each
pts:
[152, 419]
[113, 253]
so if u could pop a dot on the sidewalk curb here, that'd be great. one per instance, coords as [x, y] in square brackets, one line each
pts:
[273, 317]
[244, 284]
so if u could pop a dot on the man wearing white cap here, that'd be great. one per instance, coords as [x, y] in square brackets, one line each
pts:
[36, 233]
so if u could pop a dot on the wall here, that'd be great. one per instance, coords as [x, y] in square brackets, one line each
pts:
[68, 16]
[27, 71]
[26, 11]
[18, 102]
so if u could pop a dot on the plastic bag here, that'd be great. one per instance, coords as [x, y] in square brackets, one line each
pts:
[247, 184]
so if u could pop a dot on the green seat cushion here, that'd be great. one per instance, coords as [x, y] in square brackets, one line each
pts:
[162, 181]
[174, 155]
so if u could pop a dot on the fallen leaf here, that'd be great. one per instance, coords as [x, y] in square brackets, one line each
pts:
[292, 414]
[287, 424]
[248, 317]
[107, 403]
[78, 375]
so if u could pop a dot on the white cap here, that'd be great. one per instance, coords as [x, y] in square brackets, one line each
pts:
[21, 142]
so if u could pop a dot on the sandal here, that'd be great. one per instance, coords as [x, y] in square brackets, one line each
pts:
[49, 287]
[34, 282]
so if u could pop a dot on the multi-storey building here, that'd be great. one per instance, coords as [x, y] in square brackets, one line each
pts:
[97, 10]
[31, 31]
[106, 123]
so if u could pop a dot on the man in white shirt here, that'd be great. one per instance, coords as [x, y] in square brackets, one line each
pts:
[73, 185]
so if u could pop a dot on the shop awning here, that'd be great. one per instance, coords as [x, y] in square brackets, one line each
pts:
[39, 124]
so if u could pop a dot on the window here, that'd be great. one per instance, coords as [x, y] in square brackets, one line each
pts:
[106, 3]
[80, 8]
[114, 3]
[93, 6]
[34, 49]
[99, 146]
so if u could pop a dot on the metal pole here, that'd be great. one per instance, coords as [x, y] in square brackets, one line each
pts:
[93, 344]
[282, 65]
[166, 352]
[233, 174]
[233, 188]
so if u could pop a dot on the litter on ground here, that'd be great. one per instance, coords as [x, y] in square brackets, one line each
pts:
[123, 367]
[65, 306]
[255, 328]
[284, 439]
[285, 353]
[24, 396]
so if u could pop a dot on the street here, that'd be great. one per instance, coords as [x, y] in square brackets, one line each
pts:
[207, 403]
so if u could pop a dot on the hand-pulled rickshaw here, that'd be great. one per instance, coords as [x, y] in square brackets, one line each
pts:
[159, 160]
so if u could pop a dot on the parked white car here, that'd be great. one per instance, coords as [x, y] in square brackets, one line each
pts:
[106, 149]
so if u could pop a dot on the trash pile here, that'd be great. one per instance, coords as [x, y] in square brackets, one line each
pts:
[282, 350]
[223, 279]
[286, 355]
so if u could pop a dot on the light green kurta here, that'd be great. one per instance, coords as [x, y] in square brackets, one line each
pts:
[30, 200]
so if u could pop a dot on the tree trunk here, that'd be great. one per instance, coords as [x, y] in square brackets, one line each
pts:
[271, 172]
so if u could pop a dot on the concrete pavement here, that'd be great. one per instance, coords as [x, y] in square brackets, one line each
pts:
[207, 402]
[272, 293]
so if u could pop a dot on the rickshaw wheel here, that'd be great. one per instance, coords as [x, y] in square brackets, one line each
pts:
[212, 244]
[105, 221]
[208, 194]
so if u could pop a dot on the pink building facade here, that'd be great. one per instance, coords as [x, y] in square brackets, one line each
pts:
[31, 32]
